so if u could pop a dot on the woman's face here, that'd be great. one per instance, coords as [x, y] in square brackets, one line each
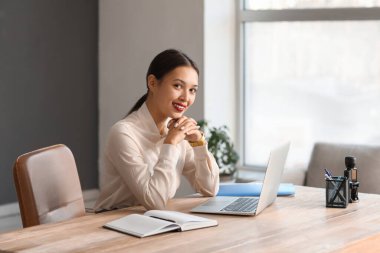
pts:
[175, 92]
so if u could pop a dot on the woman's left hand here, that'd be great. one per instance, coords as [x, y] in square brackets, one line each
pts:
[188, 125]
[193, 135]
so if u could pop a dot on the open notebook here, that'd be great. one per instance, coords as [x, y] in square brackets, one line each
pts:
[158, 221]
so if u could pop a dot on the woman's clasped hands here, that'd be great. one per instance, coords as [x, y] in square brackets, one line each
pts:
[183, 128]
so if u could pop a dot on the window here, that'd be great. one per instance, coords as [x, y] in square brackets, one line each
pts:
[308, 4]
[311, 72]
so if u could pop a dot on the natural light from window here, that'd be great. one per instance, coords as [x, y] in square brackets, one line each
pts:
[310, 81]
[300, 4]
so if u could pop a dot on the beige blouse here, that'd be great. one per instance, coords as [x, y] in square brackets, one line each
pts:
[140, 169]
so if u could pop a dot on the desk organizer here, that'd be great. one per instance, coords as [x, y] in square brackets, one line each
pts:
[336, 192]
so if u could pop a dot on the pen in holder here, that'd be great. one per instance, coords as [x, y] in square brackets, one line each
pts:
[336, 192]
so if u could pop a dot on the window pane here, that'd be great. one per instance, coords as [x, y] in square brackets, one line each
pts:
[306, 4]
[308, 82]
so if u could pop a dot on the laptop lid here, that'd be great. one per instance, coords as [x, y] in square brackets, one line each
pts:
[269, 189]
[273, 175]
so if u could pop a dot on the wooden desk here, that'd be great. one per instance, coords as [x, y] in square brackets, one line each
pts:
[291, 224]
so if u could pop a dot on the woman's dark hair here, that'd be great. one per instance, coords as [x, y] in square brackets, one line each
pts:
[161, 65]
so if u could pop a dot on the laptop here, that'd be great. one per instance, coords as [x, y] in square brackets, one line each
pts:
[252, 205]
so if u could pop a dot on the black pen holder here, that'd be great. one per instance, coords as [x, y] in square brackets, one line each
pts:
[337, 192]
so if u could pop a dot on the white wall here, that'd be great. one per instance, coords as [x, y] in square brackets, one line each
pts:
[131, 33]
[219, 62]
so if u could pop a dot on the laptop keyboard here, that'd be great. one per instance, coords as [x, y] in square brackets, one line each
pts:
[242, 205]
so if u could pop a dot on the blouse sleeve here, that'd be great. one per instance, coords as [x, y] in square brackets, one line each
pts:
[202, 170]
[152, 191]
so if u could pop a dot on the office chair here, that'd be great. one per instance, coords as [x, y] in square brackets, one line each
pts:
[48, 186]
[331, 156]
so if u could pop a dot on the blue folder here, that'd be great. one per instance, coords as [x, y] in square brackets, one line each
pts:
[252, 189]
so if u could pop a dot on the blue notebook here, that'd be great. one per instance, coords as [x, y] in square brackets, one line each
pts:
[252, 189]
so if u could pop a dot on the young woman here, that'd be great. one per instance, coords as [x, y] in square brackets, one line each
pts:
[148, 151]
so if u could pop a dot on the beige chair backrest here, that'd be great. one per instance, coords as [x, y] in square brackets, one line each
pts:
[48, 186]
[331, 156]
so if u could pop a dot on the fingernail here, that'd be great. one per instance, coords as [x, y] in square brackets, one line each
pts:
[175, 125]
[182, 127]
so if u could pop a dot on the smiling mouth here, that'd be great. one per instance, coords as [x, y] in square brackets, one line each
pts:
[179, 107]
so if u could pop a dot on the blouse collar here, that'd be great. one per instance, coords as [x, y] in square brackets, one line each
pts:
[148, 122]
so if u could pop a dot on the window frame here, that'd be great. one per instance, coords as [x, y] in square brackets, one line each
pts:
[275, 15]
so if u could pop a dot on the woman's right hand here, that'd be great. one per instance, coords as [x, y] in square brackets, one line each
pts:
[178, 129]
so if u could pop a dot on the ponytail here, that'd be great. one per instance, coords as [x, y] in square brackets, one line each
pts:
[138, 104]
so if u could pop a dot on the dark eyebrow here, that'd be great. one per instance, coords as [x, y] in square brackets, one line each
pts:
[179, 80]
[183, 82]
